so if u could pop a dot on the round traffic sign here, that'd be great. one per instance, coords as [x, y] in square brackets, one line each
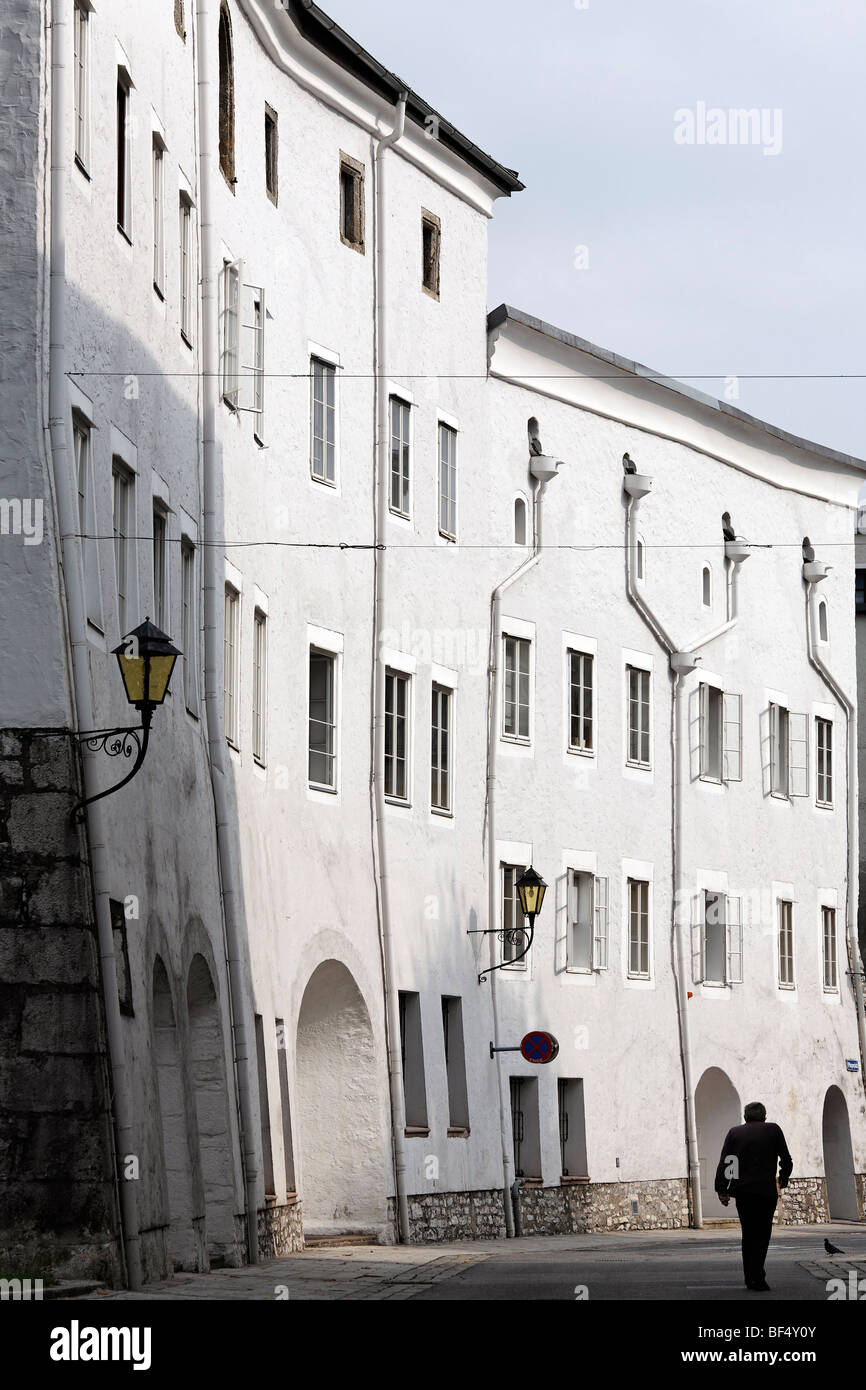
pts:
[538, 1046]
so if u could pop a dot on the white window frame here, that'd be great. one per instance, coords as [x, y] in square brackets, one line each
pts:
[124, 221]
[789, 738]
[598, 923]
[230, 332]
[258, 364]
[123, 492]
[231, 665]
[581, 748]
[724, 762]
[160, 565]
[81, 83]
[188, 622]
[397, 677]
[639, 729]
[522, 640]
[447, 479]
[82, 443]
[832, 957]
[315, 651]
[732, 928]
[185, 266]
[329, 373]
[158, 169]
[634, 880]
[510, 915]
[404, 474]
[824, 780]
[260, 686]
[440, 738]
[785, 957]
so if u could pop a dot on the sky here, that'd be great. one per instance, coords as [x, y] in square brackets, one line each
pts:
[638, 228]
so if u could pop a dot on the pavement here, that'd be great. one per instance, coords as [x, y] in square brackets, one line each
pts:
[614, 1266]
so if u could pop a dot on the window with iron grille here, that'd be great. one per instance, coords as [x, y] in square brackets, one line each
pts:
[396, 735]
[638, 681]
[824, 759]
[400, 447]
[515, 701]
[440, 754]
[638, 928]
[447, 482]
[786, 944]
[572, 1127]
[323, 421]
[322, 762]
[828, 936]
[580, 683]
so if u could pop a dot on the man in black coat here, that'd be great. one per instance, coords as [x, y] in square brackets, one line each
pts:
[747, 1172]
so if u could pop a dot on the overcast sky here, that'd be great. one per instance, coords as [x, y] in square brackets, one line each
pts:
[703, 259]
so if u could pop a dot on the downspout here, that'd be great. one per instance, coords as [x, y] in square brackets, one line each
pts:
[493, 725]
[392, 1002]
[76, 616]
[238, 988]
[812, 577]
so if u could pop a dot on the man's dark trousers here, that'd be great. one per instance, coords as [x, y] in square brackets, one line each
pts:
[755, 1210]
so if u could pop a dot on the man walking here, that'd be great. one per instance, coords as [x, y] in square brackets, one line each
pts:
[747, 1172]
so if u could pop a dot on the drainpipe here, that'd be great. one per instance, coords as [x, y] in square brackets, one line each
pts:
[62, 474]
[813, 573]
[239, 994]
[392, 1002]
[543, 469]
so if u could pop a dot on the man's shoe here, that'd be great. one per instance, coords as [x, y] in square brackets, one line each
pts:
[763, 1287]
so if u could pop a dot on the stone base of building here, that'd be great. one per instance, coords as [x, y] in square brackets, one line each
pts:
[804, 1203]
[281, 1230]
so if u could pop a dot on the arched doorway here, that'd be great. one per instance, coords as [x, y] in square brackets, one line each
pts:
[345, 1164]
[838, 1158]
[207, 1067]
[717, 1109]
[184, 1239]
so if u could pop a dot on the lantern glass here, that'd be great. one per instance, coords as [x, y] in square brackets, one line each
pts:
[146, 659]
[531, 889]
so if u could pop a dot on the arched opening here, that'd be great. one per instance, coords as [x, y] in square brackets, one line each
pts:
[185, 1241]
[227, 96]
[519, 521]
[342, 1131]
[707, 587]
[838, 1158]
[823, 627]
[207, 1068]
[717, 1109]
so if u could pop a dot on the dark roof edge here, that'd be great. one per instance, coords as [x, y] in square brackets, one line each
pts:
[503, 312]
[321, 31]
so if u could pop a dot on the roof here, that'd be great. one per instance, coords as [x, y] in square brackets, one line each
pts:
[321, 31]
[505, 313]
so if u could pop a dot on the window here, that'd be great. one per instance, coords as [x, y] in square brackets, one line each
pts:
[81, 81]
[524, 1126]
[638, 716]
[519, 521]
[124, 173]
[186, 269]
[158, 217]
[178, 19]
[351, 202]
[400, 443]
[160, 572]
[260, 687]
[514, 942]
[396, 735]
[721, 734]
[323, 417]
[322, 761]
[271, 151]
[824, 759]
[258, 331]
[638, 929]
[455, 1064]
[572, 1127]
[230, 370]
[230, 665]
[86, 523]
[786, 944]
[122, 514]
[580, 685]
[431, 232]
[283, 1068]
[226, 99]
[515, 705]
[412, 1053]
[860, 589]
[264, 1107]
[189, 628]
[823, 626]
[440, 756]
[587, 921]
[717, 940]
[707, 587]
[828, 936]
[447, 481]
[789, 752]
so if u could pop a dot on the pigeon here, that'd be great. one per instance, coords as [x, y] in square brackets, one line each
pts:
[727, 529]
[808, 551]
[534, 441]
[628, 464]
[832, 1249]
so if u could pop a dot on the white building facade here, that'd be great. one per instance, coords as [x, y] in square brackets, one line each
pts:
[419, 656]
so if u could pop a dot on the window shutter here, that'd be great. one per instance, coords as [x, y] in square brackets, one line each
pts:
[602, 919]
[703, 727]
[699, 912]
[734, 933]
[798, 754]
[732, 738]
[231, 331]
[767, 741]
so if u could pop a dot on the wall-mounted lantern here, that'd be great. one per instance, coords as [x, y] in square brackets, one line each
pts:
[531, 888]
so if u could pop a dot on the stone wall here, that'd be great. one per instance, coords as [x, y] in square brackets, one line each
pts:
[281, 1230]
[804, 1202]
[58, 1211]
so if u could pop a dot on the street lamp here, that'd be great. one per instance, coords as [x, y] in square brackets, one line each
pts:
[531, 888]
[146, 659]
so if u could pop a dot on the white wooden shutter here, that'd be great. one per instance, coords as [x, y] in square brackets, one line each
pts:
[251, 362]
[699, 917]
[602, 919]
[732, 738]
[798, 754]
[230, 337]
[704, 727]
[768, 726]
[734, 940]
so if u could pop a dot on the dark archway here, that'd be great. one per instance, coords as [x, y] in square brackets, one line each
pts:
[838, 1158]
[184, 1235]
[717, 1109]
[208, 1072]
